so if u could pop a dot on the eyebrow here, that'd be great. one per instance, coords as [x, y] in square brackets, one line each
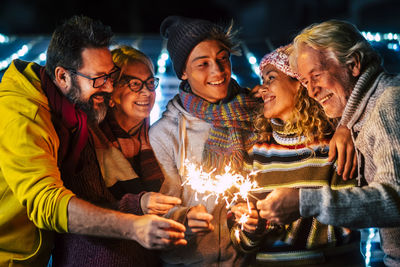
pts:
[270, 72]
[201, 57]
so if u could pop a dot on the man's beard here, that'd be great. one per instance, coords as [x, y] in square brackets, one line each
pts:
[94, 115]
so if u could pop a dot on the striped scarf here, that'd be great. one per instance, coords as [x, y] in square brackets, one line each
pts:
[136, 149]
[232, 132]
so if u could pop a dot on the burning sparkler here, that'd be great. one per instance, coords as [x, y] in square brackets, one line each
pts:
[229, 186]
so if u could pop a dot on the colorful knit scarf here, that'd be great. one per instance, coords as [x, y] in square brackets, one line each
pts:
[69, 122]
[232, 132]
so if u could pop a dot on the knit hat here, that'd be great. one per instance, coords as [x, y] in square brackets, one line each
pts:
[279, 58]
[183, 35]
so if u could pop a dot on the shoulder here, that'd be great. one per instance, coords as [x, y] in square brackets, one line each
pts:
[384, 119]
[389, 98]
[163, 126]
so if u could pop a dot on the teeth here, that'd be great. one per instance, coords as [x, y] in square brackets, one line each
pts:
[268, 99]
[217, 82]
[99, 98]
[325, 98]
[142, 103]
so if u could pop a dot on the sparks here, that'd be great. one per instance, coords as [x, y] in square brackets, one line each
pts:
[243, 220]
[228, 186]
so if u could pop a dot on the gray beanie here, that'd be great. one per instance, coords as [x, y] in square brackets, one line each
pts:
[183, 35]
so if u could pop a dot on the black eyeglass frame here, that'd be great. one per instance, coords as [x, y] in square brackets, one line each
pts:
[105, 76]
[128, 80]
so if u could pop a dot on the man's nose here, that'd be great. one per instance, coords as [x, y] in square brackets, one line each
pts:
[108, 87]
[312, 89]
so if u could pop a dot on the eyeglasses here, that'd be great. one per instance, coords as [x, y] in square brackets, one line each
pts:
[101, 80]
[136, 84]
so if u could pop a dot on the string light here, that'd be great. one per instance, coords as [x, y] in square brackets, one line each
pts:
[161, 69]
[390, 39]
[24, 50]
[4, 39]
[41, 58]
[251, 59]
[368, 246]
[162, 61]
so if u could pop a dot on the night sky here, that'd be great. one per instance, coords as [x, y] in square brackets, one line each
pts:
[275, 19]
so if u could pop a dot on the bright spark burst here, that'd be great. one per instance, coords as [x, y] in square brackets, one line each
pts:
[244, 219]
[229, 186]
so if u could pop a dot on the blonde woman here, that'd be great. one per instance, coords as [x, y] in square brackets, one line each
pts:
[292, 152]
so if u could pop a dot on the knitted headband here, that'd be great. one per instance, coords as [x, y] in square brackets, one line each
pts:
[183, 35]
[279, 58]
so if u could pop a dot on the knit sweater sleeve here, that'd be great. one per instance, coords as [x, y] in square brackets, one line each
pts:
[375, 205]
[130, 203]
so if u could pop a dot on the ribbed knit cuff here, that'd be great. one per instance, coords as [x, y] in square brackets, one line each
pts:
[310, 202]
[130, 203]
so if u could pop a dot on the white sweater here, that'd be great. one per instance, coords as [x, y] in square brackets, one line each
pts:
[175, 137]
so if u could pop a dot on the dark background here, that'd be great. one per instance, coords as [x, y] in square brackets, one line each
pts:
[277, 19]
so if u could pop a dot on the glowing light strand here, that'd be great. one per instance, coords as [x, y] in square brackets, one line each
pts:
[368, 246]
[23, 51]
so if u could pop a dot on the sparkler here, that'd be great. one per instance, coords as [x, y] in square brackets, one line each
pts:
[229, 186]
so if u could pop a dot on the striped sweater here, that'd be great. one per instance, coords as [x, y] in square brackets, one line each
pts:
[285, 161]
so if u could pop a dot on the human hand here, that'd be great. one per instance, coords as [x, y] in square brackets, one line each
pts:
[281, 206]
[199, 220]
[240, 209]
[154, 232]
[255, 91]
[157, 203]
[341, 145]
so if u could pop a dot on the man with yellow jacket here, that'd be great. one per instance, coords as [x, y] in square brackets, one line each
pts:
[43, 132]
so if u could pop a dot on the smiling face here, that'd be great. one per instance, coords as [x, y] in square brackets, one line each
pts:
[96, 62]
[208, 70]
[131, 108]
[278, 92]
[327, 81]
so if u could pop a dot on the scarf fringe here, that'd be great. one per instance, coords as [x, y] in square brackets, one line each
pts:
[214, 160]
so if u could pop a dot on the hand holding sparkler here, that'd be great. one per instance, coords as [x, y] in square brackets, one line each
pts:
[199, 220]
[157, 203]
[281, 206]
[248, 219]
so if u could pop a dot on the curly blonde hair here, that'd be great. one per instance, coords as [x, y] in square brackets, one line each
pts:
[308, 119]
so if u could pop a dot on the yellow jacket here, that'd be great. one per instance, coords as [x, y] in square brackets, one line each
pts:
[33, 199]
